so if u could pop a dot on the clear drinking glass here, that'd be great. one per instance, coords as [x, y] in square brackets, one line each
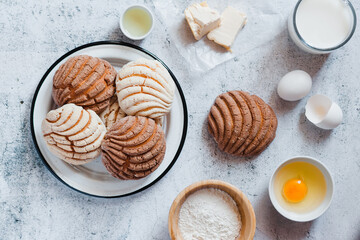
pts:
[301, 42]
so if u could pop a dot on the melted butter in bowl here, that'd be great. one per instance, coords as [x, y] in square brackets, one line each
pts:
[137, 22]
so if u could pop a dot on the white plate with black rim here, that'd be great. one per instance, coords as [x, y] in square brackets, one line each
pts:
[93, 178]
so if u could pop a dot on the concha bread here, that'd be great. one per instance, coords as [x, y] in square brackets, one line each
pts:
[133, 148]
[145, 88]
[85, 81]
[73, 134]
[242, 124]
[113, 113]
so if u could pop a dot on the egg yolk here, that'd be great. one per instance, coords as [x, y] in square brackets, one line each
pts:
[295, 190]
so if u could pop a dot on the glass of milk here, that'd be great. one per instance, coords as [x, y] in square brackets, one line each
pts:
[321, 26]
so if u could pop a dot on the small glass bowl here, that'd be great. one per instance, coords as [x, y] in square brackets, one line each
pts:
[126, 32]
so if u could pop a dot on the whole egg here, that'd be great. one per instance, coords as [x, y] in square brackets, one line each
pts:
[294, 85]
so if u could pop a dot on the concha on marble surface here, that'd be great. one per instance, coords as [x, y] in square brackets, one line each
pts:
[145, 88]
[73, 134]
[242, 124]
[133, 148]
[85, 81]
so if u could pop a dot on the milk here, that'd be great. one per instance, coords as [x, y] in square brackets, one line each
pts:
[322, 25]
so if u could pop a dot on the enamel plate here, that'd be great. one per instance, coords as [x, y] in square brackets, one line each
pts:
[92, 178]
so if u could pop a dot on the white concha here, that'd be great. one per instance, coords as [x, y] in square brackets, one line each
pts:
[145, 88]
[73, 134]
[112, 113]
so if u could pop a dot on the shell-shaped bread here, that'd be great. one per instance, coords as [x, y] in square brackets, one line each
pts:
[85, 81]
[145, 88]
[112, 113]
[242, 124]
[133, 148]
[73, 134]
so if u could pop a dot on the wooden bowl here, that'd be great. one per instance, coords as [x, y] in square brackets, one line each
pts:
[245, 208]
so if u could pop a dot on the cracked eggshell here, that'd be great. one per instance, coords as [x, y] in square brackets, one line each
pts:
[294, 85]
[323, 112]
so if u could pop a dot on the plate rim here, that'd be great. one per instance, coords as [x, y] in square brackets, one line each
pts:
[97, 43]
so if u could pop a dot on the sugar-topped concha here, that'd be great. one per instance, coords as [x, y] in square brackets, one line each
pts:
[145, 88]
[85, 81]
[73, 134]
[133, 148]
[112, 113]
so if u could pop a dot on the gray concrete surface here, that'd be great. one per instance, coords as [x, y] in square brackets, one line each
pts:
[35, 205]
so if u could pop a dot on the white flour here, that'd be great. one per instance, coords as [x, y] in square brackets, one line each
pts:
[209, 214]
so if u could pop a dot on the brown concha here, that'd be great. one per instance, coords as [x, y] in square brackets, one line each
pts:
[242, 124]
[86, 81]
[133, 148]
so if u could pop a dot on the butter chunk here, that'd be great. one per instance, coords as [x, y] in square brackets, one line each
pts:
[232, 21]
[201, 19]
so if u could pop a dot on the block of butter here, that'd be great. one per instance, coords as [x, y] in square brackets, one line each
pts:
[232, 21]
[201, 19]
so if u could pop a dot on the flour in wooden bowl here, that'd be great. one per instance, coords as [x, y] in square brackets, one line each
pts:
[209, 214]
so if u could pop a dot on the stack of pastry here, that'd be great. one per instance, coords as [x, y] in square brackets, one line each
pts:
[84, 88]
[135, 146]
[242, 124]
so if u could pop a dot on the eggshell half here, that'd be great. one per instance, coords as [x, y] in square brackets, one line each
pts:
[323, 112]
[294, 85]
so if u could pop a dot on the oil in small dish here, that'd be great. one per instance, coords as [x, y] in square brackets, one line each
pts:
[300, 187]
[137, 22]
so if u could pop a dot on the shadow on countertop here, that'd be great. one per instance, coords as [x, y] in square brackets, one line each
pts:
[312, 133]
[274, 225]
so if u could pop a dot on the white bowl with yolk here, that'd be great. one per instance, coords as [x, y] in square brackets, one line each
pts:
[301, 189]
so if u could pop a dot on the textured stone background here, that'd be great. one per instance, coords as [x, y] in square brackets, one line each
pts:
[34, 205]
